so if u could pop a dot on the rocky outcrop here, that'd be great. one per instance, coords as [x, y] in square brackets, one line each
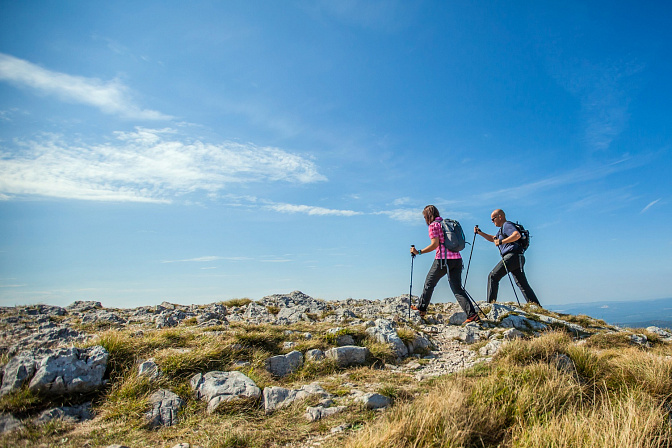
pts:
[71, 370]
[56, 372]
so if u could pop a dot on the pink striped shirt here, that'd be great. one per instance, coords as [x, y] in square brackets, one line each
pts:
[442, 253]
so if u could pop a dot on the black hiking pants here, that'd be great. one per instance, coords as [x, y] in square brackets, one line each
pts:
[514, 263]
[454, 270]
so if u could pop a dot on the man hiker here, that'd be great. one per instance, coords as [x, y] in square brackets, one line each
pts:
[512, 260]
[445, 262]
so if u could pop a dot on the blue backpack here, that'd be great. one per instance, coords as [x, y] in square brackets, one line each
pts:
[453, 235]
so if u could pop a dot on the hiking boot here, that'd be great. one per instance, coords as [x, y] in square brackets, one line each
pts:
[420, 312]
[473, 318]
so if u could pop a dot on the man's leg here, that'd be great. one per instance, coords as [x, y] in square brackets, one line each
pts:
[455, 277]
[521, 280]
[435, 273]
[493, 281]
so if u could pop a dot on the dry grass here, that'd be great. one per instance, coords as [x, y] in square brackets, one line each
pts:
[525, 398]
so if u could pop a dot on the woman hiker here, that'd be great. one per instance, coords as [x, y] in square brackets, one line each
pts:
[445, 261]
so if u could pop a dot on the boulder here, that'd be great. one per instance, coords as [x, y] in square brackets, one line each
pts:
[9, 423]
[497, 311]
[457, 318]
[491, 347]
[165, 406]
[216, 387]
[279, 397]
[73, 414]
[70, 370]
[521, 323]
[149, 369]
[314, 355]
[374, 401]
[19, 370]
[283, 365]
[384, 332]
[319, 412]
[348, 355]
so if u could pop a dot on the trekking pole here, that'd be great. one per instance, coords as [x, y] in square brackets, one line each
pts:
[410, 289]
[508, 274]
[469, 263]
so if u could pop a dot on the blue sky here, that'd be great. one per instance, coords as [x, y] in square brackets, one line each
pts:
[202, 151]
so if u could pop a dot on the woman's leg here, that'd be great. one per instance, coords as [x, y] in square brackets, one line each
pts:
[455, 278]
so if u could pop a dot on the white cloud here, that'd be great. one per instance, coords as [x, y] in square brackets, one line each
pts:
[651, 204]
[147, 165]
[311, 210]
[403, 215]
[111, 97]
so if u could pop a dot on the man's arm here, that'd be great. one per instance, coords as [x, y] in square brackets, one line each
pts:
[487, 236]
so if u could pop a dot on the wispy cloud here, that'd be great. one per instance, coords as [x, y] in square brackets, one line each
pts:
[310, 210]
[571, 177]
[651, 204]
[147, 165]
[111, 97]
[402, 214]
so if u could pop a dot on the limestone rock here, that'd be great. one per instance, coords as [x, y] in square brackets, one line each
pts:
[319, 412]
[384, 332]
[72, 414]
[70, 370]
[348, 355]
[374, 401]
[9, 423]
[283, 365]
[279, 397]
[216, 387]
[165, 406]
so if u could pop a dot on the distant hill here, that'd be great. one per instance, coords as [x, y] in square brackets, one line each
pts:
[636, 314]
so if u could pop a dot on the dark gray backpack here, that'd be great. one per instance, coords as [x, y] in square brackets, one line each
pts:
[453, 235]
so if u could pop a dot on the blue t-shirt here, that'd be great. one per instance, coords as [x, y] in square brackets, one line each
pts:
[506, 231]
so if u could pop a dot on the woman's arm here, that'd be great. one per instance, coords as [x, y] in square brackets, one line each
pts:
[433, 245]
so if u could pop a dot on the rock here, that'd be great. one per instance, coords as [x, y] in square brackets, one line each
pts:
[283, 365]
[149, 369]
[71, 370]
[102, 316]
[374, 401]
[288, 345]
[319, 412]
[522, 323]
[639, 339]
[279, 397]
[19, 370]
[490, 348]
[217, 387]
[348, 355]
[165, 406]
[660, 332]
[82, 306]
[9, 423]
[165, 320]
[513, 333]
[419, 344]
[314, 355]
[457, 318]
[384, 332]
[578, 329]
[469, 333]
[73, 414]
[497, 311]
